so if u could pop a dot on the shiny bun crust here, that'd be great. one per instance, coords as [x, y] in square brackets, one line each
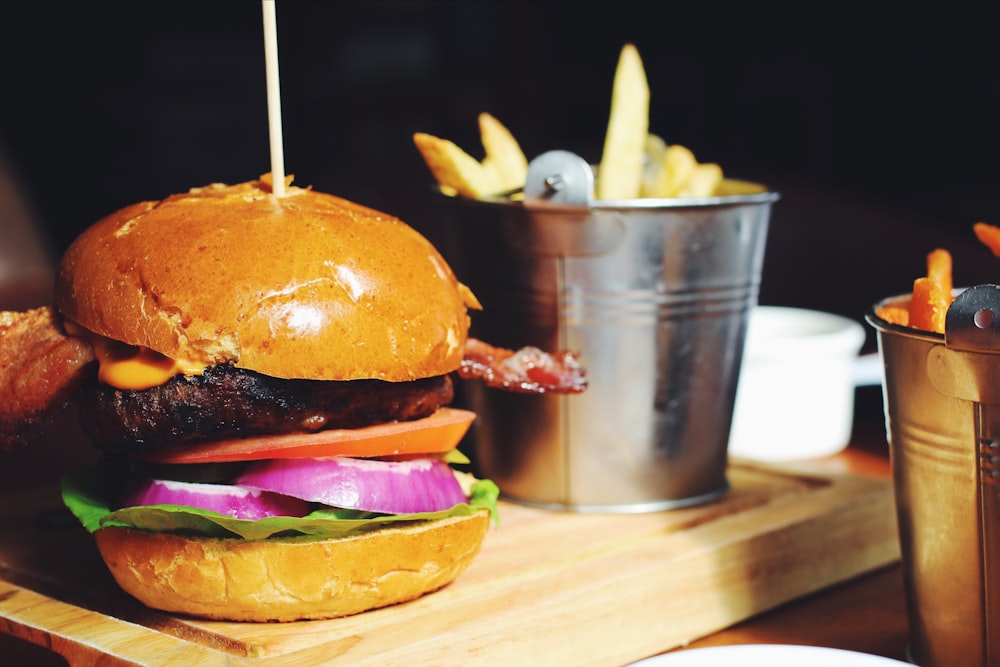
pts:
[307, 285]
[290, 579]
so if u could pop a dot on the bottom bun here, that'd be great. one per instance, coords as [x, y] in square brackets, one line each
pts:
[294, 578]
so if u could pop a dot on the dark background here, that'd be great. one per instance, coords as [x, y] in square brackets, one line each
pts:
[878, 122]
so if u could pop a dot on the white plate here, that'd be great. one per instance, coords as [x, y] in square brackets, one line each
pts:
[767, 655]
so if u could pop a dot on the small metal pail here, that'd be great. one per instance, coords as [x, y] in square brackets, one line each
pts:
[942, 410]
[654, 295]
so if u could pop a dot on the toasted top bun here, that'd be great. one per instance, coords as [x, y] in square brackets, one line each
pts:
[307, 285]
[293, 578]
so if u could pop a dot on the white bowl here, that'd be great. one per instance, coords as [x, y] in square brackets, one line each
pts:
[795, 397]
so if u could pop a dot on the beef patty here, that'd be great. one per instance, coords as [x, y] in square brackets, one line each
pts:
[227, 401]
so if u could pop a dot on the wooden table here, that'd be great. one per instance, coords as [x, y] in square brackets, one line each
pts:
[865, 614]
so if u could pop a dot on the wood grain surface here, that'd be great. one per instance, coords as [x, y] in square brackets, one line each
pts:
[548, 588]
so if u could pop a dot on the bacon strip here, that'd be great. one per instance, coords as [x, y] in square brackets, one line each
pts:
[527, 370]
[41, 369]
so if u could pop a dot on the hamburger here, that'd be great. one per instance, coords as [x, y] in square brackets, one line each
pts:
[268, 380]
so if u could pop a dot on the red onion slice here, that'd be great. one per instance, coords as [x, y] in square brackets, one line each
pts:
[389, 487]
[235, 501]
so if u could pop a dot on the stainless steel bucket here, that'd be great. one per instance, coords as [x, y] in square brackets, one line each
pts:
[942, 408]
[654, 295]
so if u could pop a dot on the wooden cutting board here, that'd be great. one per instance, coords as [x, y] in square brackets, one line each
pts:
[548, 588]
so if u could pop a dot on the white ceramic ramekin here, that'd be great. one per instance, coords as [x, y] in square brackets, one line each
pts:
[795, 397]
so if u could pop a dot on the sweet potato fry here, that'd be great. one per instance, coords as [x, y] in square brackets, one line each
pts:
[894, 315]
[989, 235]
[939, 270]
[933, 294]
[928, 305]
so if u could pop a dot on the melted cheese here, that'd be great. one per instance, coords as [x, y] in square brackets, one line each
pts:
[126, 366]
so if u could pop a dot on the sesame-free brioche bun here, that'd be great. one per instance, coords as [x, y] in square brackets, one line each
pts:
[293, 578]
[306, 285]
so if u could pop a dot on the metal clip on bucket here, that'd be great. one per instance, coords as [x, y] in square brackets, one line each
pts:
[559, 177]
[943, 412]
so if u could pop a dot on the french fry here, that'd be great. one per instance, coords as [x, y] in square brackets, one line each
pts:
[678, 166]
[989, 235]
[682, 176]
[620, 173]
[933, 294]
[732, 186]
[928, 305]
[939, 269]
[703, 181]
[503, 153]
[634, 163]
[455, 169]
[654, 153]
[894, 315]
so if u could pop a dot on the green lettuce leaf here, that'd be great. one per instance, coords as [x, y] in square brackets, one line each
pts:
[87, 492]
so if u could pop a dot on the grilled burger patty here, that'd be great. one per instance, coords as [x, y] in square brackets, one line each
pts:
[226, 401]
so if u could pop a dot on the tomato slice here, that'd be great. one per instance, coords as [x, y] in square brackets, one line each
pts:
[438, 433]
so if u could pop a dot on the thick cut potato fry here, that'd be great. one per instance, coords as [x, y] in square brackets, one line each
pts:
[732, 186]
[703, 181]
[654, 153]
[678, 166]
[455, 169]
[620, 172]
[989, 235]
[634, 163]
[928, 305]
[503, 153]
[706, 179]
[682, 176]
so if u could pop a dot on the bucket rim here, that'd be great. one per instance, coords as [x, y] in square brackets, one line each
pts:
[884, 326]
[644, 204]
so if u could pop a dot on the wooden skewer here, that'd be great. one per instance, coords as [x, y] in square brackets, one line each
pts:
[273, 98]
